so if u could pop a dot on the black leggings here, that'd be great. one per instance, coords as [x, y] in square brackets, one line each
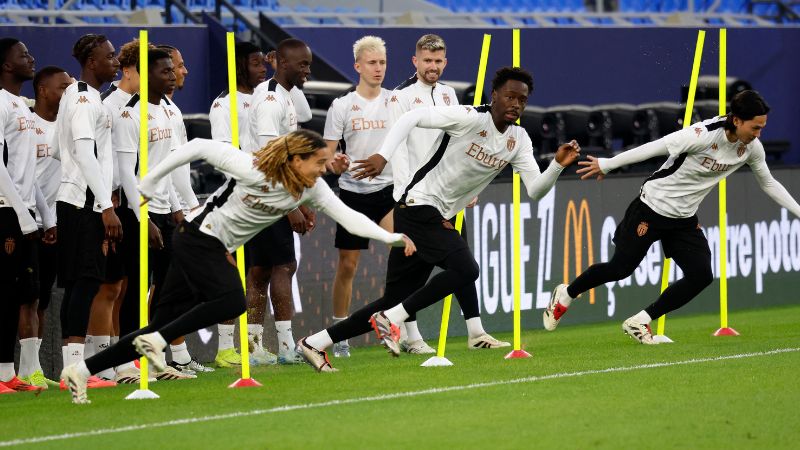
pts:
[460, 272]
[172, 321]
[697, 276]
[78, 306]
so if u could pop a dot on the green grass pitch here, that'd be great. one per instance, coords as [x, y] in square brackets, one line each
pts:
[667, 396]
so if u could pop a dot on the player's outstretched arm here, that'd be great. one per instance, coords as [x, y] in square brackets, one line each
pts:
[771, 186]
[599, 167]
[538, 184]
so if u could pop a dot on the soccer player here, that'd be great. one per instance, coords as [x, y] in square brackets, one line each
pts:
[477, 144]
[270, 255]
[665, 209]
[18, 229]
[250, 72]
[89, 227]
[203, 286]
[359, 118]
[422, 90]
[49, 84]
[182, 183]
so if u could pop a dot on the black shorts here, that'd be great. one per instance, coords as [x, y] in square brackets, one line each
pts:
[19, 261]
[128, 249]
[202, 270]
[434, 236]
[272, 246]
[160, 259]
[374, 205]
[642, 226]
[48, 267]
[82, 246]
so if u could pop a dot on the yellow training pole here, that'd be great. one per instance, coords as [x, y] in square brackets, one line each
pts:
[687, 121]
[245, 381]
[516, 264]
[724, 330]
[143, 392]
[439, 359]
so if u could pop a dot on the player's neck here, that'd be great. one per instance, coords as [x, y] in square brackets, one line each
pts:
[244, 89]
[368, 92]
[731, 136]
[499, 123]
[12, 85]
[421, 79]
[45, 111]
[126, 87]
[89, 78]
[154, 98]
[286, 84]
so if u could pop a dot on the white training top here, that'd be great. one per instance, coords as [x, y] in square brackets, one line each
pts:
[412, 94]
[181, 179]
[161, 142]
[220, 118]
[273, 112]
[48, 167]
[82, 115]
[18, 128]
[471, 153]
[699, 157]
[115, 99]
[247, 203]
[363, 125]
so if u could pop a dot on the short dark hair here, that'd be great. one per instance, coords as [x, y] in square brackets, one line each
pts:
[289, 44]
[84, 46]
[166, 47]
[153, 55]
[43, 74]
[5, 48]
[512, 73]
[745, 105]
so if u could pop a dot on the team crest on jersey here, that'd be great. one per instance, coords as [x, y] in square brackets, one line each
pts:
[270, 98]
[641, 230]
[697, 131]
[483, 133]
[417, 101]
[11, 244]
[355, 108]
[446, 99]
[714, 146]
[216, 105]
[511, 143]
[82, 99]
[740, 150]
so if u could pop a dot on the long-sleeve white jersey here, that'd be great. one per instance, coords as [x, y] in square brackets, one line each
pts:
[48, 167]
[471, 153]
[83, 116]
[699, 157]
[410, 95]
[247, 203]
[363, 125]
[18, 127]
[220, 118]
[181, 178]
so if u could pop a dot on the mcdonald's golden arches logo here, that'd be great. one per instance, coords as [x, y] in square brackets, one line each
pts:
[578, 217]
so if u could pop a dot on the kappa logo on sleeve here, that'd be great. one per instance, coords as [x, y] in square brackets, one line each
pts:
[82, 99]
[216, 105]
[355, 108]
[126, 115]
[417, 101]
[394, 99]
[483, 133]
[714, 146]
[698, 131]
[270, 98]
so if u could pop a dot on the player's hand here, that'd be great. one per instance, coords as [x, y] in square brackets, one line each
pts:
[178, 217]
[339, 164]
[271, 58]
[370, 167]
[50, 235]
[410, 247]
[590, 168]
[112, 225]
[568, 153]
[472, 203]
[297, 220]
[154, 236]
[144, 201]
[311, 217]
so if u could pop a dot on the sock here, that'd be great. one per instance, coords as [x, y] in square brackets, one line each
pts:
[7, 371]
[100, 343]
[565, 299]
[64, 357]
[255, 336]
[83, 370]
[412, 332]
[320, 341]
[113, 340]
[126, 366]
[74, 353]
[225, 333]
[159, 340]
[180, 354]
[642, 317]
[89, 348]
[397, 314]
[38, 344]
[475, 327]
[37, 365]
[285, 338]
[27, 355]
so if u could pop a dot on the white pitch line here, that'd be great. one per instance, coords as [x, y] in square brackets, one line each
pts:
[257, 412]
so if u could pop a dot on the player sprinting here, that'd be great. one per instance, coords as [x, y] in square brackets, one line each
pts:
[203, 285]
[665, 208]
[477, 144]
